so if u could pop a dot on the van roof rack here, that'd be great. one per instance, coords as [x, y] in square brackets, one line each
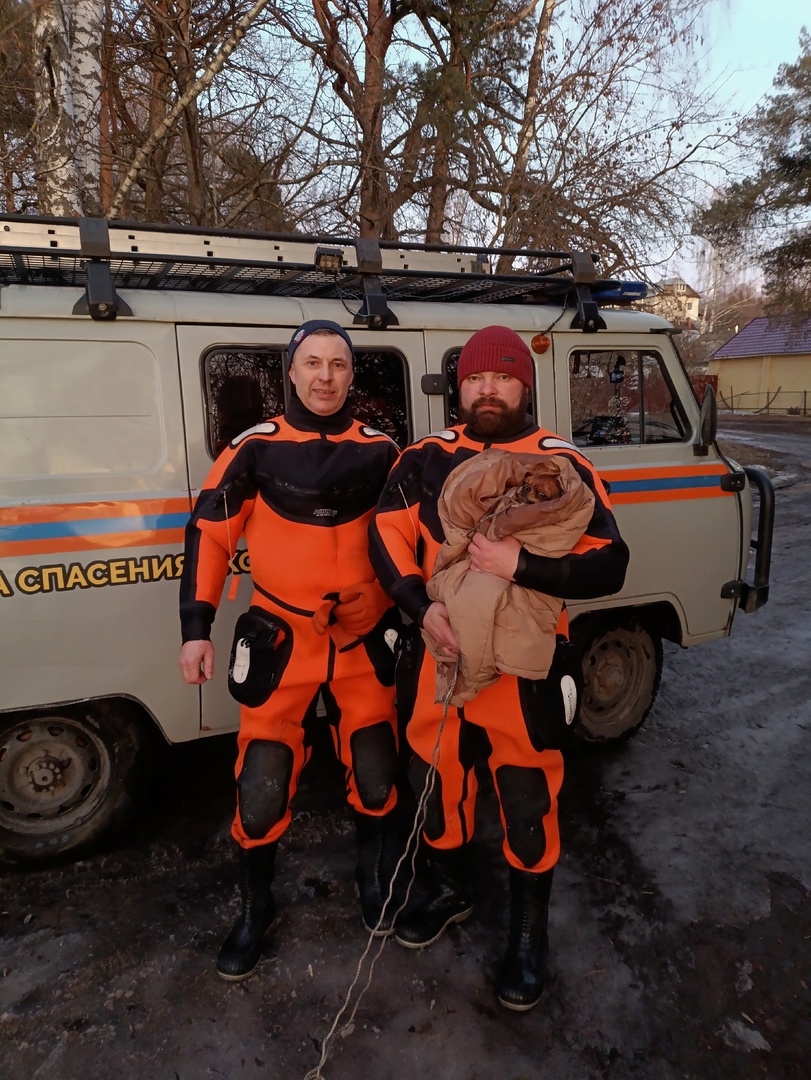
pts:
[103, 256]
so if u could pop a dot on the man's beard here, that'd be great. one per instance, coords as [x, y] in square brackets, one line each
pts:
[498, 423]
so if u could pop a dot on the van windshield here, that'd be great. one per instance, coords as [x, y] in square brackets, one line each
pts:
[623, 398]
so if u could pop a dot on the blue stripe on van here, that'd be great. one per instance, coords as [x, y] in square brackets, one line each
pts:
[52, 530]
[665, 483]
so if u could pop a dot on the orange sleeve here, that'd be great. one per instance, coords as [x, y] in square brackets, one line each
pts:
[396, 541]
[218, 519]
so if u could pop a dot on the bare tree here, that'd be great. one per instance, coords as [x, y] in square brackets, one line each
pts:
[525, 122]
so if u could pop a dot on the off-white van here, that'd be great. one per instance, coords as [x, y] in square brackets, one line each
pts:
[130, 354]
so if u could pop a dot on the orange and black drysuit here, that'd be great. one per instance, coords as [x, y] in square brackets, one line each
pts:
[302, 488]
[516, 722]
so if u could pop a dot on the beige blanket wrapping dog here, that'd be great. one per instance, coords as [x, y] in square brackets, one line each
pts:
[501, 627]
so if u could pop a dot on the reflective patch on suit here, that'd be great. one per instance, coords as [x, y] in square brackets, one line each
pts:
[268, 428]
[379, 648]
[554, 443]
[263, 785]
[569, 697]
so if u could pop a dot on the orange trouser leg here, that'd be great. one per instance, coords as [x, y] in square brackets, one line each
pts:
[527, 781]
[271, 746]
[366, 733]
[450, 808]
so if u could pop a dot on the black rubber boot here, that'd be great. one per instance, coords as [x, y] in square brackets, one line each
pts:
[372, 880]
[242, 948]
[524, 974]
[448, 902]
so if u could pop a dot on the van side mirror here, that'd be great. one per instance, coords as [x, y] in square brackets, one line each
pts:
[707, 424]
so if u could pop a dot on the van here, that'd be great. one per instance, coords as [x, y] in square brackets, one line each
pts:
[130, 354]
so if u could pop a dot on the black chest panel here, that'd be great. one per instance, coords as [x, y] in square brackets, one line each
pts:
[437, 464]
[321, 482]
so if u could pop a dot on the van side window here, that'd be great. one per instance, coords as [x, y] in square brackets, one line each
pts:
[243, 387]
[378, 393]
[450, 363]
[623, 398]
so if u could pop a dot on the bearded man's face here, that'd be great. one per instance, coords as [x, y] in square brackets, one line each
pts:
[493, 404]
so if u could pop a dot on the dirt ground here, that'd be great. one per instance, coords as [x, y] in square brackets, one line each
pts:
[680, 924]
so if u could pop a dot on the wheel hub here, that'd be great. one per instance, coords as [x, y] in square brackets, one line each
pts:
[45, 774]
[609, 678]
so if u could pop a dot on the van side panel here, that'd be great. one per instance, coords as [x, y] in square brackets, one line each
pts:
[93, 501]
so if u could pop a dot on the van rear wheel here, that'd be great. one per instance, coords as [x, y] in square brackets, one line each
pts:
[68, 779]
[622, 666]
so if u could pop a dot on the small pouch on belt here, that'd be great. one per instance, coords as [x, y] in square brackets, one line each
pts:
[259, 655]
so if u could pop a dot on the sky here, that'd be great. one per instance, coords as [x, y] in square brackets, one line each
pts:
[747, 41]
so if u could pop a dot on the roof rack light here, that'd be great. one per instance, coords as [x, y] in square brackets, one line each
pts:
[329, 260]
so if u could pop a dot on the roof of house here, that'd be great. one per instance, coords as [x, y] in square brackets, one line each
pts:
[783, 335]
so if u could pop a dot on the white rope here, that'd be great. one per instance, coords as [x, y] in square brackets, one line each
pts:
[413, 839]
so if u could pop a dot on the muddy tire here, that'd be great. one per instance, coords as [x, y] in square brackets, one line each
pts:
[69, 778]
[622, 666]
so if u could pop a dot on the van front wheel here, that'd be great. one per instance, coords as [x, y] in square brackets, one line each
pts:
[68, 779]
[622, 666]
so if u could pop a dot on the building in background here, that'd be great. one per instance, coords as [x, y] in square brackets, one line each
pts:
[676, 301]
[766, 367]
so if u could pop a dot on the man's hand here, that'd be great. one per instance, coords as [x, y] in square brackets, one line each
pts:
[360, 607]
[438, 625]
[321, 617]
[498, 557]
[197, 661]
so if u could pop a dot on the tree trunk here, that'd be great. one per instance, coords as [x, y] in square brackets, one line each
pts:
[57, 177]
[86, 82]
[376, 218]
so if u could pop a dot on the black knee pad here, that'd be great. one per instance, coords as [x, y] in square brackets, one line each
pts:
[434, 815]
[374, 761]
[263, 785]
[525, 801]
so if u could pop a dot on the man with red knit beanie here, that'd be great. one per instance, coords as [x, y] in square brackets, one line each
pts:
[517, 724]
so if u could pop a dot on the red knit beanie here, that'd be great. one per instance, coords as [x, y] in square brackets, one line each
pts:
[496, 348]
